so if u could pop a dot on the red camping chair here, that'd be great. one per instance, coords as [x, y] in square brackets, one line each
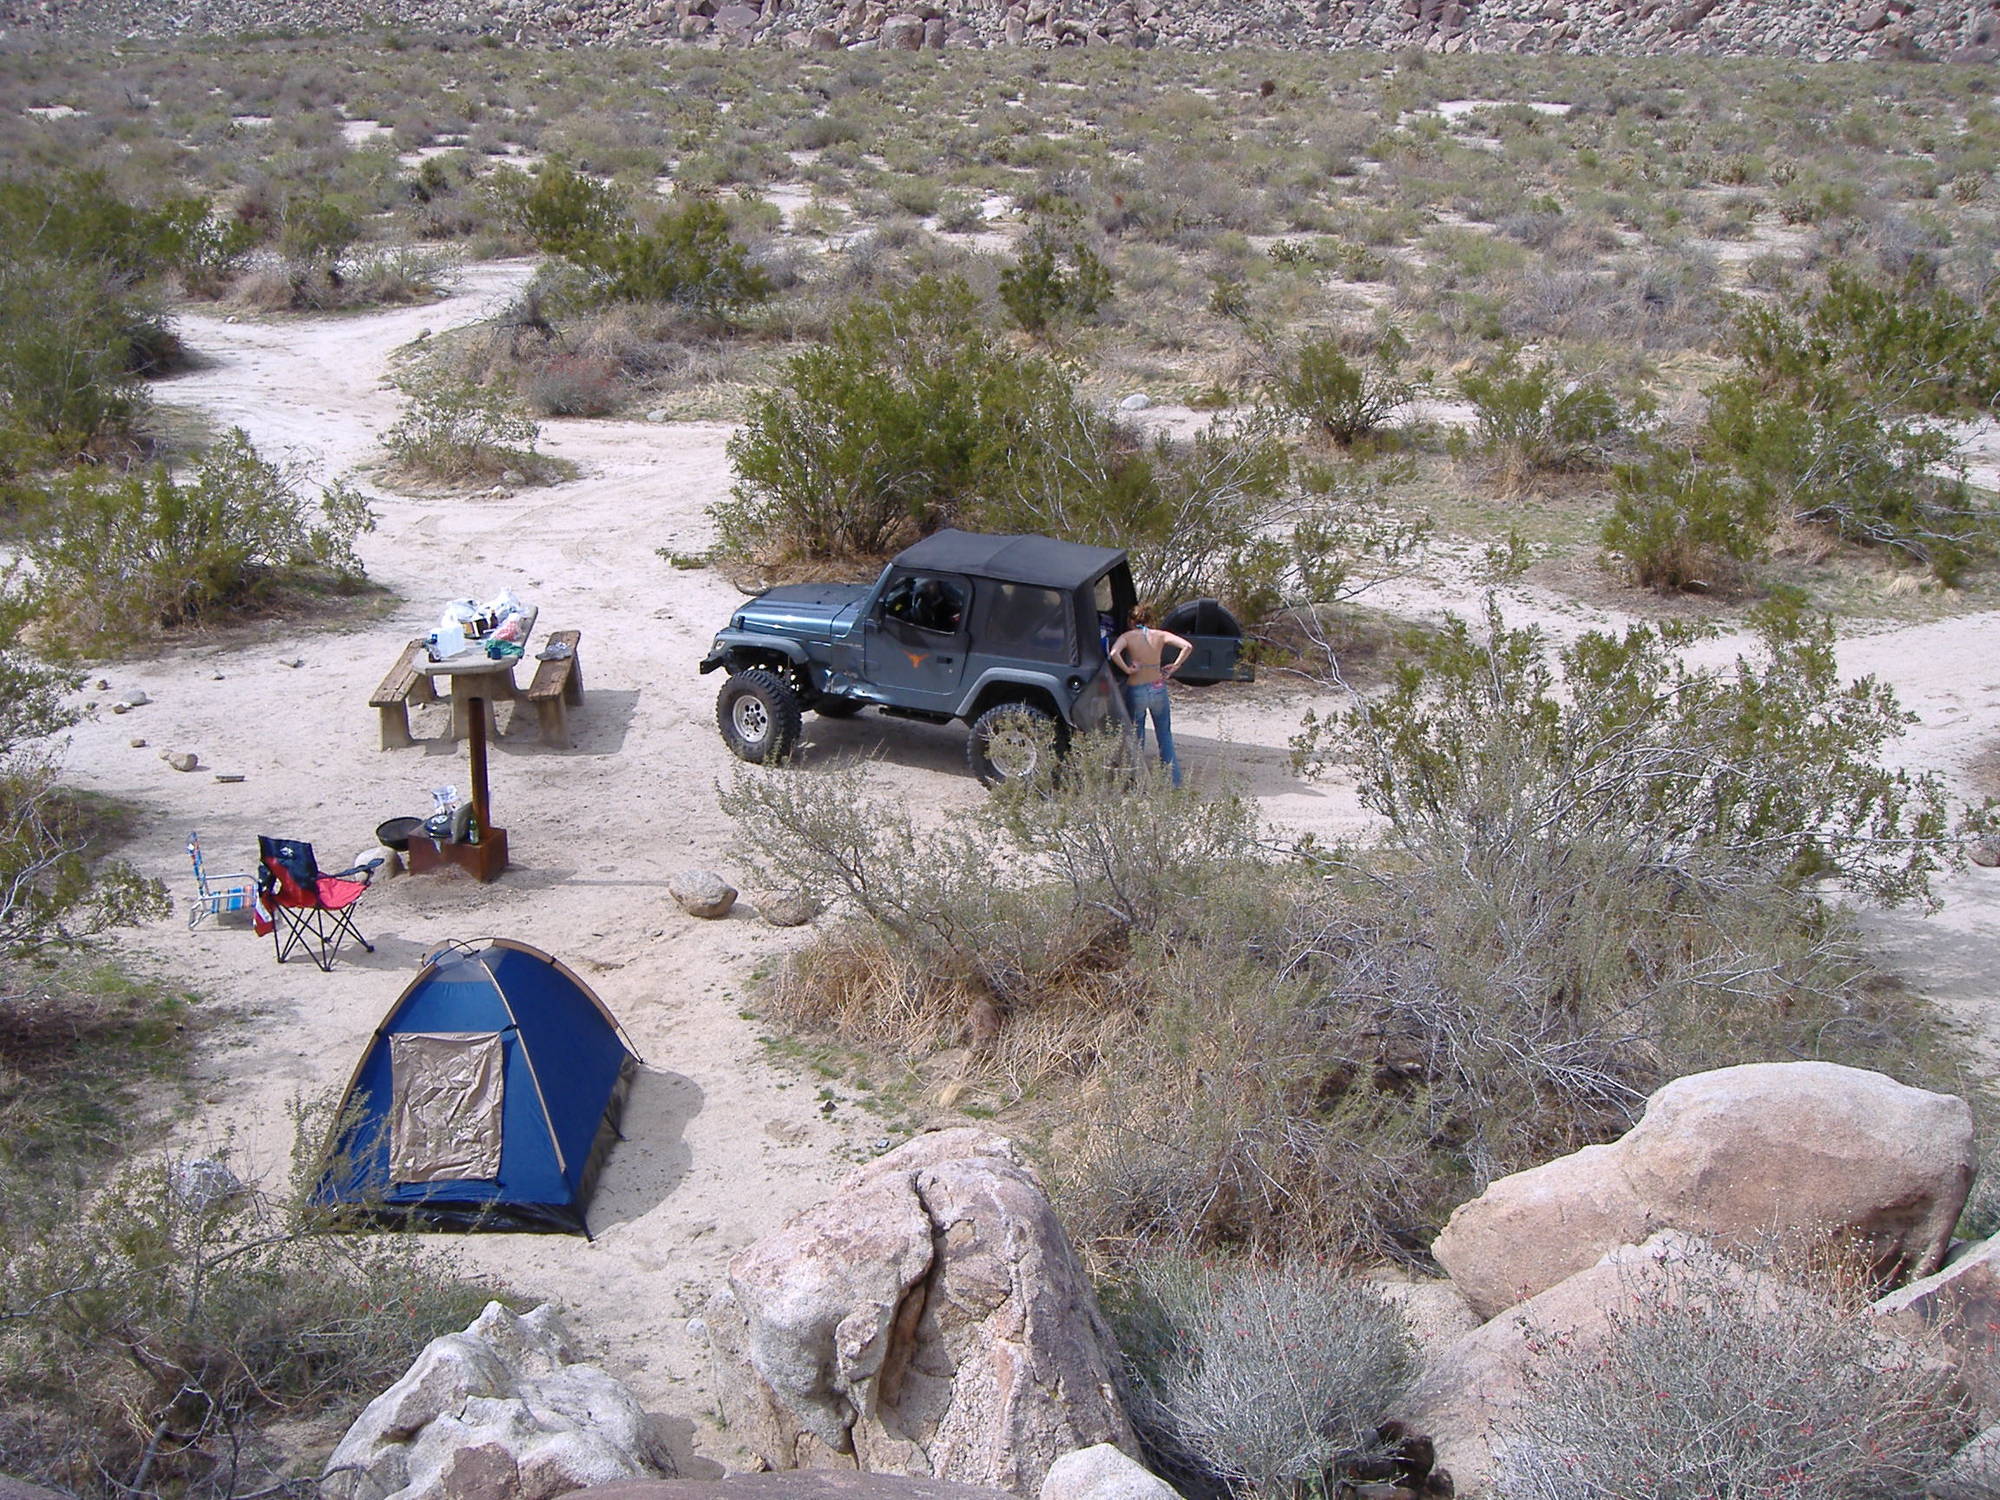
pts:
[303, 909]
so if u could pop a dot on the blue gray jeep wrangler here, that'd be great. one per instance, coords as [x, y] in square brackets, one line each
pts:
[1007, 633]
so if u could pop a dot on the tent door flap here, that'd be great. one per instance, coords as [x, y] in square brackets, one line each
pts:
[447, 1089]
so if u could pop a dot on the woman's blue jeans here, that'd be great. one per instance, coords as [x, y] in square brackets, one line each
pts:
[1152, 699]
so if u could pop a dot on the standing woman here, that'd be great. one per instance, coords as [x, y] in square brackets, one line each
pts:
[1140, 654]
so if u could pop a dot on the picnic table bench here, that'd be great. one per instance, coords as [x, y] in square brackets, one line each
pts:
[558, 683]
[406, 683]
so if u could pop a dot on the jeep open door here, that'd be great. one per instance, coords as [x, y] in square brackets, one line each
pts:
[914, 638]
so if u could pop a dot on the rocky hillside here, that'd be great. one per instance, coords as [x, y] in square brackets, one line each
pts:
[1966, 30]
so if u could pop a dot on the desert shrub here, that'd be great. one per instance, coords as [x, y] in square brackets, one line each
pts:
[1535, 419]
[147, 1336]
[912, 414]
[687, 257]
[1768, 770]
[569, 384]
[314, 235]
[1915, 346]
[1317, 385]
[456, 430]
[1676, 520]
[1056, 279]
[1273, 1378]
[55, 891]
[121, 556]
[391, 277]
[1595, 882]
[1812, 450]
[999, 903]
[561, 210]
[1828, 420]
[78, 216]
[68, 337]
[1706, 1383]
[56, 888]
[78, 324]
[905, 411]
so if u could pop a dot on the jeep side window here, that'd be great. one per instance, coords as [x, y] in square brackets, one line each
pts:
[934, 604]
[1023, 620]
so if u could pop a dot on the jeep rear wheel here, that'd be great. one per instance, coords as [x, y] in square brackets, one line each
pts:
[758, 714]
[1012, 741]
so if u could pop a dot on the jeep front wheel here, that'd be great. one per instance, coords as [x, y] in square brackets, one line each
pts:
[758, 714]
[1011, 741]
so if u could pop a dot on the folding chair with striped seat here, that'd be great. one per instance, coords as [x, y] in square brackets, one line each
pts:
[304, 910]
[216, 894]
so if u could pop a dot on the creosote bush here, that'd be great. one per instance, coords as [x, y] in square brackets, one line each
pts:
[1533, 419]
[1056, 280]
[1318, 386]
[79, 321]
[913, 414]
[1681, 524]
[1827, 421]
[122, 556]
[685, 256]
[456, 430]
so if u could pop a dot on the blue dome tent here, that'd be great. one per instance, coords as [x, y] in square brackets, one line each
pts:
[487, 1099]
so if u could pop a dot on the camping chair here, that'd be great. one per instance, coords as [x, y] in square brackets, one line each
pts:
[303, 909]
[226, 893]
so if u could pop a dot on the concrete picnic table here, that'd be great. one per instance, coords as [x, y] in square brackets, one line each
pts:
[473, 676]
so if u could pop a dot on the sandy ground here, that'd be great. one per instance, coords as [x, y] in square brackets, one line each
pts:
[723, 1143]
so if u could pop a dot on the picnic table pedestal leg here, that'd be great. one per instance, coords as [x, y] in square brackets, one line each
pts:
[467, 704]
[486, 860]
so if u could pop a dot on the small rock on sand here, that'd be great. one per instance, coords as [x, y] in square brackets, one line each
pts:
[702, 893]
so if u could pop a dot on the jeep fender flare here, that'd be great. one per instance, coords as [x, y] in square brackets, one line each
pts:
[737, 649]
[1006, 685]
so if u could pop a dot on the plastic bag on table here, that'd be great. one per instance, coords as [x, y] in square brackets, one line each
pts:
[459, 630]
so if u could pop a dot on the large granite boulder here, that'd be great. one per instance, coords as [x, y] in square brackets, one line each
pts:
[1103, 1473]
[501, 1411]
[1747, 1151]
[929, 1318]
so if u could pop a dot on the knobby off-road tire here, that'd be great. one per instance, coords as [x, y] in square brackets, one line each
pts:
[1012, 741]
[758, 714]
